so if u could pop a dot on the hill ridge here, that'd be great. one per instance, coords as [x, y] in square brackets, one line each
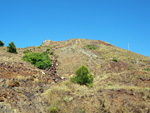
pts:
[121, 79]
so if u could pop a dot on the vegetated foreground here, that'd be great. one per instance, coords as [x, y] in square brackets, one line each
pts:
[121, 81]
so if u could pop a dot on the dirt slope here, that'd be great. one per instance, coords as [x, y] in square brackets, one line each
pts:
[120, 86]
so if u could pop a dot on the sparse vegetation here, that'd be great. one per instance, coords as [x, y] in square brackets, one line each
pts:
[147, 69]
[40, 46]
[109, 83]
[27, 51]
[82, 76]
[12, 48]
[40, 60]
[52, 110]
[1, 43]
[48, 51]
[91, 47]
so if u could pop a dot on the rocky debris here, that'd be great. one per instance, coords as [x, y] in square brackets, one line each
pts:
[22, 94]
[52, 71]
[47, 43]
[9, 70]
[6, 108]
[26, 98]
[1, 99]
[14, 84]
[115, 66]
[87, 53]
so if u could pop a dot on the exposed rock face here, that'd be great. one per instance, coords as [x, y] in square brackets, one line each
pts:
[47, 42]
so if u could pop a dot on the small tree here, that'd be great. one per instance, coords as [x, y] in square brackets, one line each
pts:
[1, 43]
[82, 76]
[12, 48]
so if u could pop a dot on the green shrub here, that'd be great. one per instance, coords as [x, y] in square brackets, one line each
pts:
[82, 76]
[27, 51]
[115, 60]
[52, 110]
[147, 69]
[51, 53]
[40, 60]
[12, 48]
[47, 50]
[91, 47]
[1, 43]
[40, 46]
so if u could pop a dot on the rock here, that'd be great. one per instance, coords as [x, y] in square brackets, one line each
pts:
[1, 99]
[43, 73]
[14, 84]
[62, 78]
[47, 42]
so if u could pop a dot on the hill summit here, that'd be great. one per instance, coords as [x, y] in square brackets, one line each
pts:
[121, 79]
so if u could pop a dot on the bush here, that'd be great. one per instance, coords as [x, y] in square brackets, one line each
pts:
[40, 60]
[39, 47]
[51, 53]
[47, 50]
[82, 76]
[12, 48]
[115, 60]
[1, 43]
[91, 47]
[27, 51]
[147, 69]
[52, 110]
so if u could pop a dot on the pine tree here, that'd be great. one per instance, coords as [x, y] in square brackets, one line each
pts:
[12, 48]
[1, 43]
[82, 76]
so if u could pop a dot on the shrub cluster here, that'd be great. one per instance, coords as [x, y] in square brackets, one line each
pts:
[12, 48]
[82, 76]
[1, 43]
[91, 47]
[147, 69]
[40, 60]
[48, 51]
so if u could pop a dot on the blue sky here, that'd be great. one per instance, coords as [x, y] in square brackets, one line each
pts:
[119, 22]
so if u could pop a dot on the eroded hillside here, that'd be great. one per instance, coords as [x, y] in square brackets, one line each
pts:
[121, 79]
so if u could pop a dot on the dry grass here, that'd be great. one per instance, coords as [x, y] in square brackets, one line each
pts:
[67, 97]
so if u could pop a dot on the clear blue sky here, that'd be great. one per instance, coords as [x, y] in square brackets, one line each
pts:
[119, 22]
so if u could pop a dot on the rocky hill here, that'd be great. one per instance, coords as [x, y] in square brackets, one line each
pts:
[121, 80]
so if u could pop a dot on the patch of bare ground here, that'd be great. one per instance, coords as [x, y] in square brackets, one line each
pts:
[9, 70]
[115, 67]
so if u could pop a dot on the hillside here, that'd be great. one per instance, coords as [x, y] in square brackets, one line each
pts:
[121, 80]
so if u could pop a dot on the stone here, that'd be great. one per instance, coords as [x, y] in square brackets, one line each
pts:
[1, 99]
[62, 78]
[14, 84]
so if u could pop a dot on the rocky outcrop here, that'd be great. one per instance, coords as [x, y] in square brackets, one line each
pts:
[47, 43]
